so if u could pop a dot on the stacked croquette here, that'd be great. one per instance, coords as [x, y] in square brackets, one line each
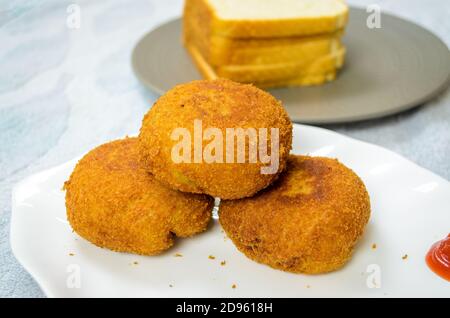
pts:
[113, 202]
[270, 43]
[308, 221]
[130, 195]
[221, 104]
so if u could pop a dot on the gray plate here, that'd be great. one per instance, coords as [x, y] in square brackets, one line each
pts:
[387, 70]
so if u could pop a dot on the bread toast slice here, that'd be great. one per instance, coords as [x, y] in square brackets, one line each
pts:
[268, 18]
[322, 69]
[274, 72]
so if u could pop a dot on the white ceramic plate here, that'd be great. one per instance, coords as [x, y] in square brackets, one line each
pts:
[410, 211]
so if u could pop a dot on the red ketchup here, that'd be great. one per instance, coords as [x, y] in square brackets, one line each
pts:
[438, 258]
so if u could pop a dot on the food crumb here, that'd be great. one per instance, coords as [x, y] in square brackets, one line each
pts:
[374, 246]
[223, 263]
[308, 286]
[404, 257]
[71, 254]
[178, 255]
[233, 286]
[211, 257]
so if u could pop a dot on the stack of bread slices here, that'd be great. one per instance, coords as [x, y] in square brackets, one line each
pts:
[270, 43]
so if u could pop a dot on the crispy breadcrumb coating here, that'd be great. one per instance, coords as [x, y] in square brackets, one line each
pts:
[218, 104]
[308, 221]
[113, 202]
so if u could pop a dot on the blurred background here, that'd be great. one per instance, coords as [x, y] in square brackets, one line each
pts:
[65, 88]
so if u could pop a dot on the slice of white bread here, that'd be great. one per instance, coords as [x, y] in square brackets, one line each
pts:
[319, 71]
[219, 50]
[303, 52]
[268, 18]
[276, 72]
[324, 71]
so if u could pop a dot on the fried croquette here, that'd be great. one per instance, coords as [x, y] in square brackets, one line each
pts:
[308, 221]
[113, 202]
[223, 106]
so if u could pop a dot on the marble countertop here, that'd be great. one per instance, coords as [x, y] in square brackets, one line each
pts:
[64, 90]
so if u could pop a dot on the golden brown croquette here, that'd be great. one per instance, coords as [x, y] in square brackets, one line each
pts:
[113, 202]
[308, 221]
[220, 104]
